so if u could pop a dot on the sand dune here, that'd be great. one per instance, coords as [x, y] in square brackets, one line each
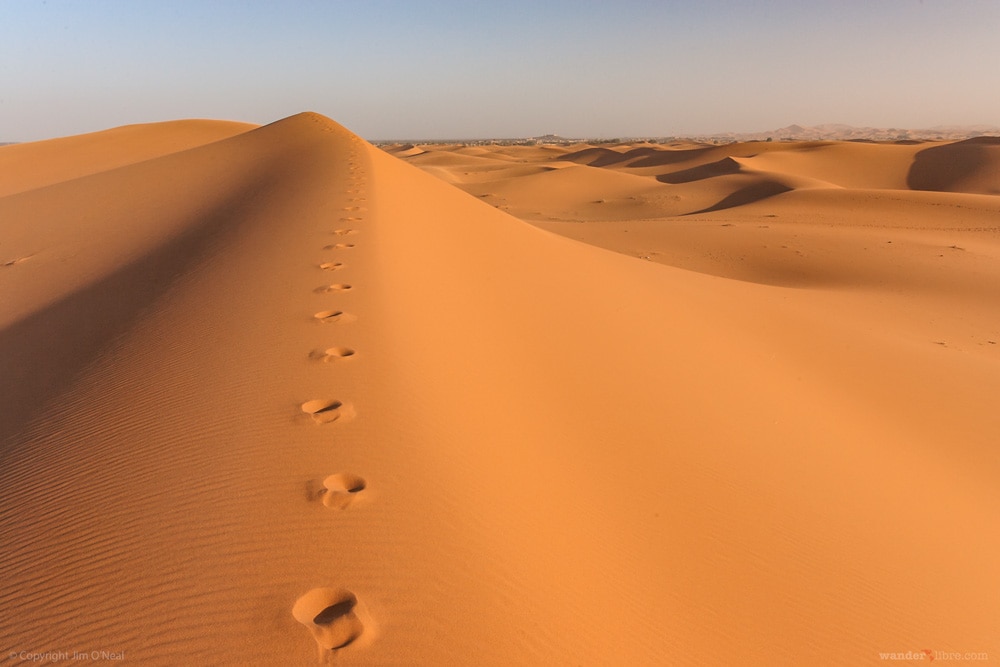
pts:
[282, 398]
[29, 166]
[972, 165]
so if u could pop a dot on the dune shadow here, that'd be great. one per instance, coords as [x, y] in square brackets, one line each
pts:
[638, 158]
[747, 195]
[662, 158]
[44, 352]
[723, 167]
[643, 156]
[589, 156]
[640, 152]
[946, 168]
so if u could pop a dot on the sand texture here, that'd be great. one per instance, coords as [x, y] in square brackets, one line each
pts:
[275, 396]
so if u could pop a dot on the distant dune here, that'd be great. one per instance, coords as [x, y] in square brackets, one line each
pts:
[274, 396]
[33, 165]
[656, 194]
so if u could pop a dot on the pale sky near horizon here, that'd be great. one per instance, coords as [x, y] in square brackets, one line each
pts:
[444, 69]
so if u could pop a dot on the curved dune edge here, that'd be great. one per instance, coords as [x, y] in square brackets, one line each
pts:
[544, 452]
[41, 163]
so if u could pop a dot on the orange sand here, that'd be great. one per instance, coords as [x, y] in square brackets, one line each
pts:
[273, 395]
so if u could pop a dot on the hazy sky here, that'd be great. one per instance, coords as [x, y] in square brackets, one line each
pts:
[440, 69]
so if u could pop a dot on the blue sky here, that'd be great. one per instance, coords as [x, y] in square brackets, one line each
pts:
[443, 69]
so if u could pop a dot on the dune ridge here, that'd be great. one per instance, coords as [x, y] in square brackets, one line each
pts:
[337, 410]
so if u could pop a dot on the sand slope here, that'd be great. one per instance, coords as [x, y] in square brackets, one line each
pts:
[283, 398]
[34, 165]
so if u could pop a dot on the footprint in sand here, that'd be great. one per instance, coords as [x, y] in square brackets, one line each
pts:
[332, 354]
[329, 315]
[333, 317]
[14, 262]
[329, 613]
[331, 266]
[339, 246]
[341, 489]
[336, 287]
[345, 232]
[325, 410]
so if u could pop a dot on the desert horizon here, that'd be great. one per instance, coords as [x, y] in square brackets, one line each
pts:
[788, 133]
[275, 395]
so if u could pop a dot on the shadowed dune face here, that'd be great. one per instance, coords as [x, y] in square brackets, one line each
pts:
[748, 194]
[594, 157]
[721, 168]
[606, 157]
[112, 266]
[972, 165]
